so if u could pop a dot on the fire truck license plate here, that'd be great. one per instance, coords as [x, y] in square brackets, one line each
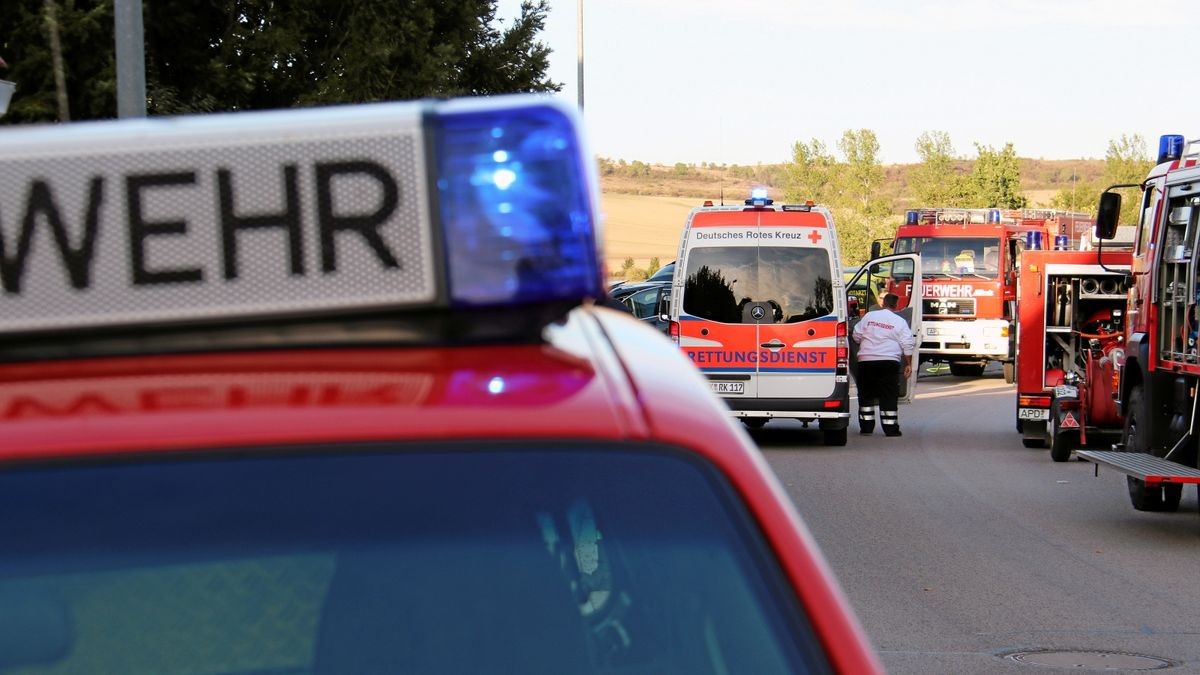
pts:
[728, 387]
[1033, 414]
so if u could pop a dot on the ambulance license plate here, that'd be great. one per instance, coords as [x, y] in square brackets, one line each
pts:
[728, 387]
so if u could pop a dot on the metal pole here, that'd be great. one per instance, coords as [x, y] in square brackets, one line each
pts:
[131, 58]
[579, 52]
[56, 59]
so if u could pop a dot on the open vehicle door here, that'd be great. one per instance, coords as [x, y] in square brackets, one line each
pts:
[899, 274]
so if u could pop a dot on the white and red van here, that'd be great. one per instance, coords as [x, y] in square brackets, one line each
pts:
[759, 306]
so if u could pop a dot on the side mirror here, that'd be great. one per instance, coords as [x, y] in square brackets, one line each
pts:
[875, 247]
[1108, 215]
[664, 304]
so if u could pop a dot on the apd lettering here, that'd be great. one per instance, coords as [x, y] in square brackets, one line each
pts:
[41, 205]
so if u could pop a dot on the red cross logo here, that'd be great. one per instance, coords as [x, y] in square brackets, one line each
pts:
[815, 236]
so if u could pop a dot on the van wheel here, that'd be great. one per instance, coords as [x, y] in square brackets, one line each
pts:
[754, 422]
[836, 436]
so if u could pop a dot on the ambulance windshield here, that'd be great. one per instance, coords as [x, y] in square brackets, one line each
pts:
[795, 282]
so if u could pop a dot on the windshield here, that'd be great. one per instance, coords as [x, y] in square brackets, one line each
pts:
[543, 560]
[956, 257]
[795, 281]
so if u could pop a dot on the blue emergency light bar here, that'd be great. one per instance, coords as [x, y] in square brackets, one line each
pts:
[516, 208]
[1170, 147]
[758, 197]
[485, 203]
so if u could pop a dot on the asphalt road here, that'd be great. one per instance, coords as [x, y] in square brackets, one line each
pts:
[958, 547]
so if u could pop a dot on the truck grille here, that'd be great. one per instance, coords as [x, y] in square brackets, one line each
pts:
[948, 306]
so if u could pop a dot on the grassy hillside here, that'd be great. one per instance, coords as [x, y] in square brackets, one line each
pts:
[644, 206]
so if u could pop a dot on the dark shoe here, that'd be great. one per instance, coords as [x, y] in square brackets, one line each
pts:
[866, 432]
[892, 432]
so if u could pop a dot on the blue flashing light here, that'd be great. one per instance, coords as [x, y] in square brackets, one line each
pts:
[758, 197]
[912, 217]
[993, 216]
[1170, 147]
[516, 200]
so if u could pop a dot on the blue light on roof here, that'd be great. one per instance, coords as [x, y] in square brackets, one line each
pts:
[993, 216]
[516, 207]
[758, 197]
[1170, 148]
[911, 217]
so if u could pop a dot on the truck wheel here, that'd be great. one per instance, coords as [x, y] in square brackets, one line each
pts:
[1010, 372]
[1062, 441]
[835, 436]
[1136, 438]
[966, 369]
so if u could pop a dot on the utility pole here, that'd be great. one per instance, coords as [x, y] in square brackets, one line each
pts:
[60, 76]
[579, 51]
[131, 58]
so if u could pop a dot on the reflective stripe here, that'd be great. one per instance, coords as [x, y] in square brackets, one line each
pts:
[890, 418]
[867, 418]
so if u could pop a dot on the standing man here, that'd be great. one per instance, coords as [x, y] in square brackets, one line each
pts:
[885, 346]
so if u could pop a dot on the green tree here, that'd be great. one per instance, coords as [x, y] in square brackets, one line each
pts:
[1128, 160]
[856, 231]
[995, 180]
[810, 174]
[681, 169]
[210, 55]
[934, 181]
[1078, 195]
[653, 267]
[863, 175]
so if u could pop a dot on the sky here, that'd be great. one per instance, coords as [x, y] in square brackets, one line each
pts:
[741, 81]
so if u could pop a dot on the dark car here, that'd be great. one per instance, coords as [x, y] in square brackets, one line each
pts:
[645, 299]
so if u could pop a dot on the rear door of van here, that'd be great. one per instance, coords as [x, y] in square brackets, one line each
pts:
[796, 271]
[718, 328]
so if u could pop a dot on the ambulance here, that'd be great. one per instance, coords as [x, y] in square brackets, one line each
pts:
[759, 305]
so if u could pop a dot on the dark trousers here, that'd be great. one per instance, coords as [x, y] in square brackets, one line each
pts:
[878, 391]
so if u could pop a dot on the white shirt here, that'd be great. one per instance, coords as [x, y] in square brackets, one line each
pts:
[883, 335]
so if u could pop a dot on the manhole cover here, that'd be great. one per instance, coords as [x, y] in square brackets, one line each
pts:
[1090, 660]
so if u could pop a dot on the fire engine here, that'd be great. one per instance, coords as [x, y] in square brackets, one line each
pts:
[1071, 306]
[1160, 368]
[969, 264]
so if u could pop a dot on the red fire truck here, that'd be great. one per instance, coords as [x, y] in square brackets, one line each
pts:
[1071, 306]
[1160, 369]
[968, 262]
